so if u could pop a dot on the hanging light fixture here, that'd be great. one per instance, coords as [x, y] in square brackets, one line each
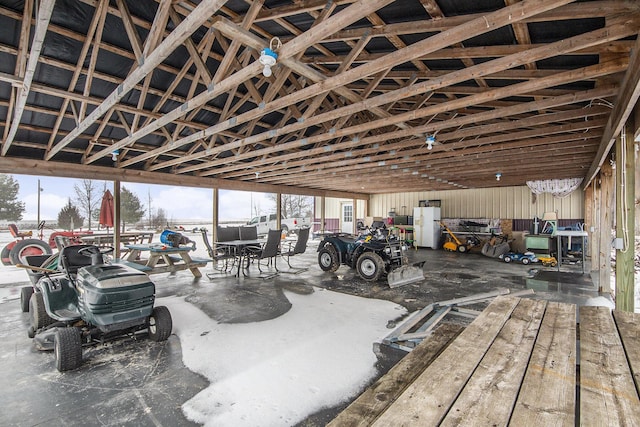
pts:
[498, 176]
[114, 155]
[431, 139]
[268, 56]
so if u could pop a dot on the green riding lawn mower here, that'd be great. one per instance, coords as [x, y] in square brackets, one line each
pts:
[78, 300]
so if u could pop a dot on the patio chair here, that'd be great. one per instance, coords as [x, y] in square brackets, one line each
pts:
[268, 251]
[299, 248]
[223, 256]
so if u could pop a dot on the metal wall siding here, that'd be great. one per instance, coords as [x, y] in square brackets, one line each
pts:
[503, 202]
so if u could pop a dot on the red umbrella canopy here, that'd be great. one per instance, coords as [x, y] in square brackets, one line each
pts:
[106, 210]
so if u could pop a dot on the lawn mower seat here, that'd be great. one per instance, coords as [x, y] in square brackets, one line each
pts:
[13, 229]
[71, 260]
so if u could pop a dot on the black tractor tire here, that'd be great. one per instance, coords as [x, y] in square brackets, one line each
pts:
[25, 296]
[67, 347]
[160, 324]
[38, 313]
[328, 259]
[370, 266]
[507, 259]
[28, 247]
[462, 249]
[4, 255]
[526, 261]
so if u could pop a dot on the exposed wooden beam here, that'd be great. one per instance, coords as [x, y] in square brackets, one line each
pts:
[479, 26]
[340, 20]
[516, 89]
[42, 23]
[622, 109]
[60, 169]
[199, 15]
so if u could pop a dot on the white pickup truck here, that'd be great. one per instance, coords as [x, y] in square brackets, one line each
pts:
[264, 223]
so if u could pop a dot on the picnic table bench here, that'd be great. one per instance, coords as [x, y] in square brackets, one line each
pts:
[521, 362]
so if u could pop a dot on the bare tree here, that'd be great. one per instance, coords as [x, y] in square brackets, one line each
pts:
[88, 197]
[294, 205]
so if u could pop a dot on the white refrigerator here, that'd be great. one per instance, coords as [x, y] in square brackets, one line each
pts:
[426, 227]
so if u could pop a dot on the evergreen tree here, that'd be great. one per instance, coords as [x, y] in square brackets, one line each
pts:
[131, 209]
[69, 217]
[10, 208]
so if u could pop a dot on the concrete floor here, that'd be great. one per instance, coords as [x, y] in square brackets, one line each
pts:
[139, 382]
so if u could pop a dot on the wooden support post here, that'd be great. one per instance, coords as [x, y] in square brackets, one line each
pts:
[322, 216]
[215, 215]
[605, 224]
[117, 200]
[589, 219]
[625, 218]
[278, 210]
[636, 153]
[355, 216]
[595, 240]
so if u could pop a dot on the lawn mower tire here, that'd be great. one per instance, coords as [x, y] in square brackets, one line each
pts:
[160, 324]
[68, 349]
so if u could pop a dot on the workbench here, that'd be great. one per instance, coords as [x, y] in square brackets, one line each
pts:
[173, 259]
[516, 364]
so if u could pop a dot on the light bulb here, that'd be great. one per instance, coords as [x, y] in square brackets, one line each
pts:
[114, 155]
[498, 176]
[267, 71]
[430, 140]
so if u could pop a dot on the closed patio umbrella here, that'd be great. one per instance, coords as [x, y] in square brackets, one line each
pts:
[106, 210]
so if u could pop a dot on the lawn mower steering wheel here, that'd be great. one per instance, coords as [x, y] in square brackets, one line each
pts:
[95, 253]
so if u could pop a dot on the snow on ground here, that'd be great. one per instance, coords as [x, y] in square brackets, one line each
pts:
[280, 371]
[271, 373]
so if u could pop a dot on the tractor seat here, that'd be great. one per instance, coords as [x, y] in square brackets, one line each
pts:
[71, 261]
[15, 233]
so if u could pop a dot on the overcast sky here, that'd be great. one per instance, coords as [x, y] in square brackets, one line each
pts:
[179, 203]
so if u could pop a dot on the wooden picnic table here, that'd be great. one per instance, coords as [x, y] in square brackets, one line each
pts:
[128, 238]
[174, 259]
[521, 362]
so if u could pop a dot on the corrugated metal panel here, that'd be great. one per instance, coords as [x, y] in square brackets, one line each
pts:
[503, 202]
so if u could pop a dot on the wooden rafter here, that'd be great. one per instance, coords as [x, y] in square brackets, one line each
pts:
[42, 23]
[205, 9]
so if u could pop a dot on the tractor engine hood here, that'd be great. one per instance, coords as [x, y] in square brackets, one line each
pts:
[114, 294]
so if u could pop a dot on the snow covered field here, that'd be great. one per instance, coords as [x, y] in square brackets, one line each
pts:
[271, 373]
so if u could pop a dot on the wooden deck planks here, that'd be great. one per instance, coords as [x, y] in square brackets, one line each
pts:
[552, 368]
[426, 401]
[627, 324]
[377, 398]
[490, 394]
[607, 391]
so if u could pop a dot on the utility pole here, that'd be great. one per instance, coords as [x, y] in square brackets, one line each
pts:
[39, 190]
